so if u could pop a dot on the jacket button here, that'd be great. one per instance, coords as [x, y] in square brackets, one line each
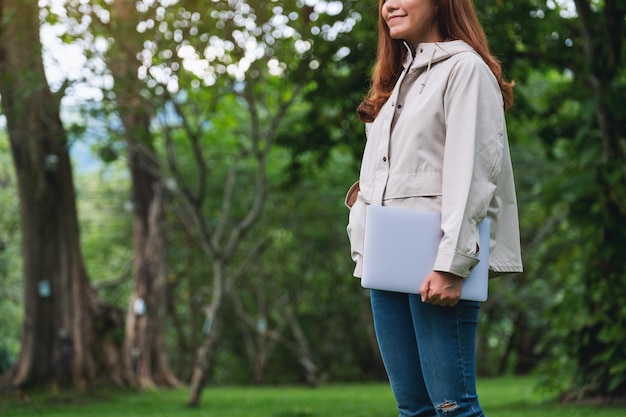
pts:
[384, 159]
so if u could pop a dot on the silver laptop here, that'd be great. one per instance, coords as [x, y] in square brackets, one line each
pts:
[401, 246]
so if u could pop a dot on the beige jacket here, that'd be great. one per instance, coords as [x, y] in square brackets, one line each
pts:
[440, 144]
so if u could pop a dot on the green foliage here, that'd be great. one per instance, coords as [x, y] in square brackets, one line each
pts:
[338, 86]
[308, 267]
[105, 219]
[581, 201]
[568, 144]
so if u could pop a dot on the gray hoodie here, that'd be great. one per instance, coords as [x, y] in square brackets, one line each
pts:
[439, 143]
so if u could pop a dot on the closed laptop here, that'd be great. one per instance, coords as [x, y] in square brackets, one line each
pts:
[401, 246]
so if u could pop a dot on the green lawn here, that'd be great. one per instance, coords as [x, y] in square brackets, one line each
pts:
[501, 397]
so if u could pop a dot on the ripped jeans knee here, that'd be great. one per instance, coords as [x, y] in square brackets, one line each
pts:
[447, 407]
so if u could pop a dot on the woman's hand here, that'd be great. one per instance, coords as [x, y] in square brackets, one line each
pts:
[441, 289]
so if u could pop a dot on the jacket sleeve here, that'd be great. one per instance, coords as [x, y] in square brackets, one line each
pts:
[475, 131]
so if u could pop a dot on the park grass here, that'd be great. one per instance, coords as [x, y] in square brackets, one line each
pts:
[500, 397]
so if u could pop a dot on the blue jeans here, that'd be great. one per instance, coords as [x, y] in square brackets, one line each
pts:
[429, 353]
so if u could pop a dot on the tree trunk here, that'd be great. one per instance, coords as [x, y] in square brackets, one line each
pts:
[64, 336]
[144, 348]
[204, 353]
[202, 364]
[305, 356]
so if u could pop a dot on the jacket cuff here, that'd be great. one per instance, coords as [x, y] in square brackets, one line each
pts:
[455, 263]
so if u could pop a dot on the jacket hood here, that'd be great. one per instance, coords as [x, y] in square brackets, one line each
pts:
[427, 54]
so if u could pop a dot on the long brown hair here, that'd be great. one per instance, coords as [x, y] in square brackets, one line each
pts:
[457, 20]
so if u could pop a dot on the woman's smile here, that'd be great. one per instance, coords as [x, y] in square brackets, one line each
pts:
[411, 20]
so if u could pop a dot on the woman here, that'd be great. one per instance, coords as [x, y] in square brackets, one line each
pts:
[436, 140]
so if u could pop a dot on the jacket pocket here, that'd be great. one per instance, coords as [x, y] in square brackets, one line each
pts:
[352, 195]
[356, 234]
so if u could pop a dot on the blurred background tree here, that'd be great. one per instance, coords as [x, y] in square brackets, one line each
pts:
[65, 328]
